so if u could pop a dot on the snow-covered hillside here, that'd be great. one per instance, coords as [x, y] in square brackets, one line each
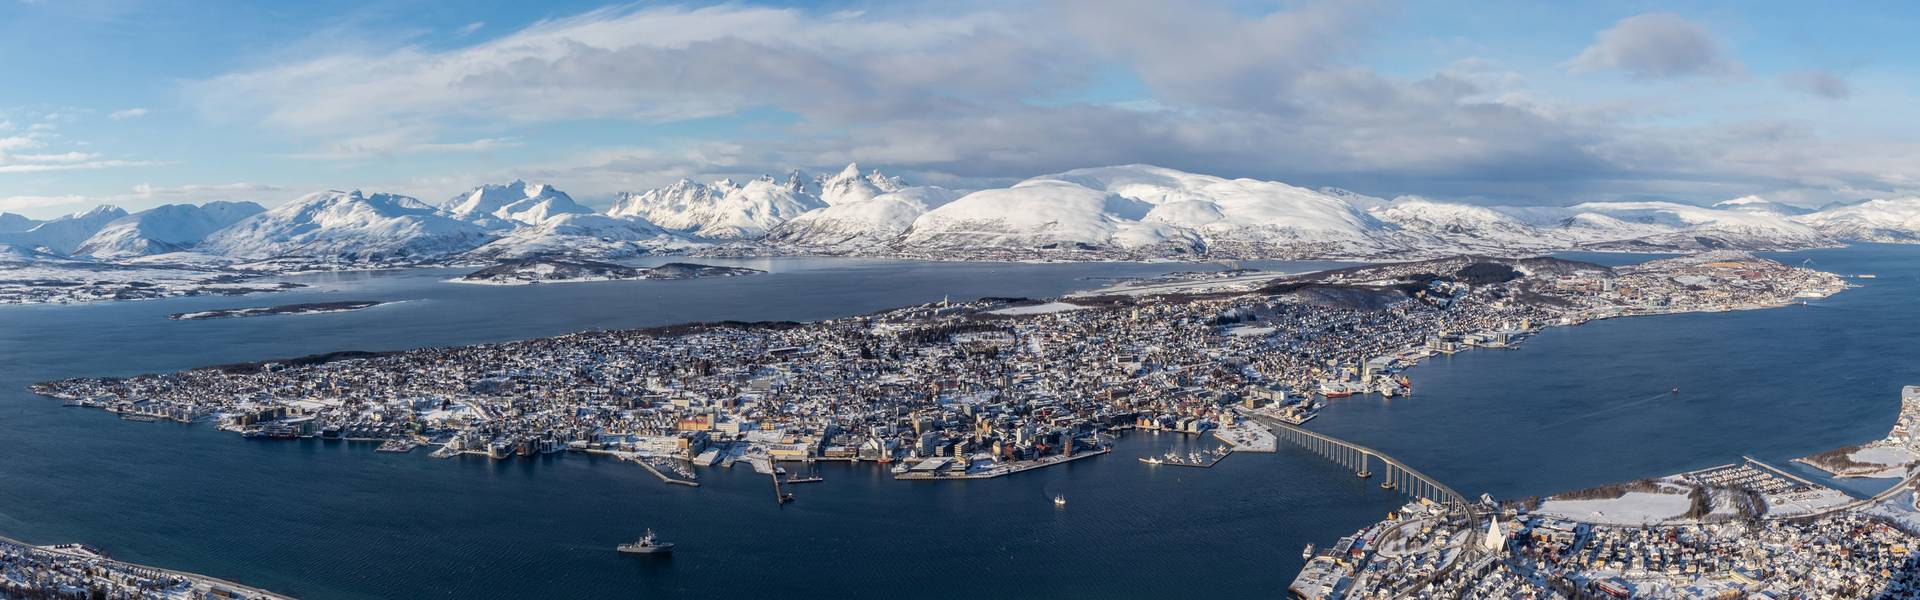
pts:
[1135, 206]
[169, 228]
[349, 226]
[588, 236]
[851, 225]
[66, 233]
[1889, 220]
[10, 222]
[1044, 214]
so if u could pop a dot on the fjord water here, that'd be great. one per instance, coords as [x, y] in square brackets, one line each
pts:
[1574, 407]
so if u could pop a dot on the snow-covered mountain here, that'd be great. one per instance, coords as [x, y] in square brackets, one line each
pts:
[722, 209]
[1135, 206]
[501, 206]
[1889, 220]
[850, 186]
[349, 226]
[851, 225]
[169, 228]
[1045, 214]
[1689, 227]
[728, 210]
[1126, 211]
[1428, 223]
[10, 222]
[64, 234]
[1756, 204]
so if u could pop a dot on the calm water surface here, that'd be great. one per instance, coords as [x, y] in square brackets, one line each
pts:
[1573, 407]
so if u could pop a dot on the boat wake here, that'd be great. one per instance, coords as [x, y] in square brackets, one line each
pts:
[1611, 409]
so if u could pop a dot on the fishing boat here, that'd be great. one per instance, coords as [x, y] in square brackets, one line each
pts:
[647, 544]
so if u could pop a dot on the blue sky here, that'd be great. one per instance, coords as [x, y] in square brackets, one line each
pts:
[141, 103]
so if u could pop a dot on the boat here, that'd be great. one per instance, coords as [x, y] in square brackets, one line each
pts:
[647, 544]
[1307, 553]
[1059, 500]
[1152, 460]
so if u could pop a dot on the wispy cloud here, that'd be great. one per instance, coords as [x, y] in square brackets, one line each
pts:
[124, 114]
[1820, 83]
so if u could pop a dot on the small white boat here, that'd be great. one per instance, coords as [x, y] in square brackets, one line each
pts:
[1059, 500]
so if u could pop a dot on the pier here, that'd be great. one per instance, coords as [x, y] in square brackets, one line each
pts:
[1394, 475]
[663, 476]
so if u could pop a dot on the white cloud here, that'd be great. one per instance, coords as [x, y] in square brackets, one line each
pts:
[1820, 83]
[29, 203]
[655, 64]
[73, 166]
[469, 29]
[973, 97]
[1653, 46]
[130, 113]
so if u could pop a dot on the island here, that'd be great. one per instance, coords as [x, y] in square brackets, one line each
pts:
[313, 308]
[948, 390]
[559, 270]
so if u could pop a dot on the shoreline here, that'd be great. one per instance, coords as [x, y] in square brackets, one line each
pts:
[87, 554]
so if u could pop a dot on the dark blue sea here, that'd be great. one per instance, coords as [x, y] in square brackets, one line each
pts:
[1573, 407]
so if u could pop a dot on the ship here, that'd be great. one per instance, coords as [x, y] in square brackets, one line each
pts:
[647, 544]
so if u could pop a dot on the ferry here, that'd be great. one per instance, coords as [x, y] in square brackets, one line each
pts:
[646, 545]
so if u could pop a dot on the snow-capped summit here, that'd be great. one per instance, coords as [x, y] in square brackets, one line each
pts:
[498, 206]
[850, 186]
[723, 209]
[64, 234]
[1756, 204]
[349, 226]
[169, 228]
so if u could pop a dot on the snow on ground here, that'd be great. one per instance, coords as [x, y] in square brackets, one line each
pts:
[1785, 505]
[1250, 331]
[1894, 458]
[1634, 508]
[1038, 309]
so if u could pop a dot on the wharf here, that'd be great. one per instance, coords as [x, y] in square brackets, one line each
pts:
[642, 461]
[1003, 470]
[1208, 464]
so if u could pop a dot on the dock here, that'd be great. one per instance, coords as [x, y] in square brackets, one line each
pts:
[663, 476]
[1212, 459]
[1004, 470]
